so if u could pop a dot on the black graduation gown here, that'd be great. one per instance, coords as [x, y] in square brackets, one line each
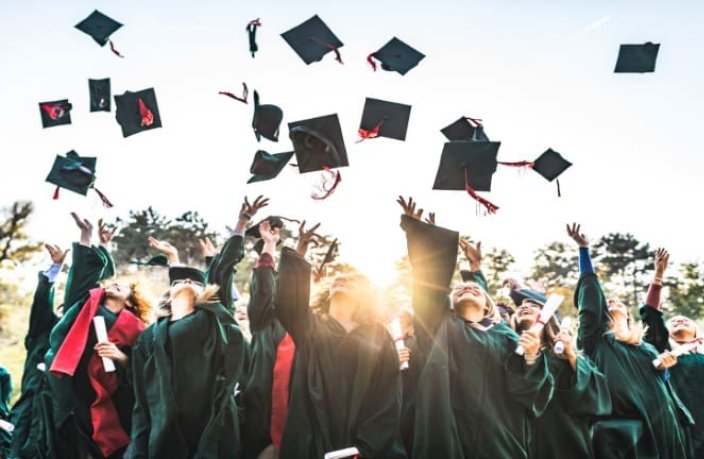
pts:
[474, 395]
[647, 419]
[221, 269]
[346, 387]
[563, 429]
[687, 377]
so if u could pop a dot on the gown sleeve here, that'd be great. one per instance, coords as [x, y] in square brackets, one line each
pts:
[221, 270]
[532, 386]
[141, 421]
[262, 287]
[86, 271]
[651, 315]
[587, 393]
[593, 311]
[292, 299]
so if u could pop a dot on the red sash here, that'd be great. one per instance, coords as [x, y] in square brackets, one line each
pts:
[279, 389]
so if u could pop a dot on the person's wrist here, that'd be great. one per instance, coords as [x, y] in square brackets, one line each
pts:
[475, 266]
[246, 216]
[530, 359]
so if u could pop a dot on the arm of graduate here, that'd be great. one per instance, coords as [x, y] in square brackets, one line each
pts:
[221, 270]
[141, 420]
[473, 254]
[41, 316]
[432, 252]
[528, 377]
[105, 235]
[650, 313]
[262, 288]
[589, 297]
[87, 267]
[292, 299]
[588, 393]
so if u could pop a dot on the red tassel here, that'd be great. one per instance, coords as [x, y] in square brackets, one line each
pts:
[147, 116]
[103, 198]
[370, 134]
[559, 194]
[527, 164]
[322, 192]
[56, 193]
[370, 59]
[55, 111]
[245, 94]
[334, 49]
[475, 122]
[490, 208]
[115, 51]
[254, 23]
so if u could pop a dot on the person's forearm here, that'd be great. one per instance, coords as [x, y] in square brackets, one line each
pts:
[53, 272]
[585, 261]
[241, 225]
[652, 299]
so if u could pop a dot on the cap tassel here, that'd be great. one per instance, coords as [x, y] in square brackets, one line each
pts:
[56, 111]
[115, 51]
[334, 49]
[490, 208]
[475, 122]
[523, 164]
[370, 134]
[328, 176]
[252, 30]
[146, 114]
[103, 198]
[370, 60]
[559, 194]
[56, 193]
[245, 94]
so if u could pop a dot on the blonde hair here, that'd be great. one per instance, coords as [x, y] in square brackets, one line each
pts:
[208, 295]
[491, 312]
[365, 297]
[635, 334]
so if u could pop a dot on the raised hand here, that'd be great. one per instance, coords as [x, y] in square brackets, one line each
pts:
[430, 219]
[86, 228]
[207, 248]
[530, 341]
[569, 352]
[305, 237]
[574, 231]
[111, 351]
[269, 235]
[662, 258]
[57, 255]
[164, 247]
[105, 234]
[247, 210]
[667, 360]
[409, 208]
[473, 253]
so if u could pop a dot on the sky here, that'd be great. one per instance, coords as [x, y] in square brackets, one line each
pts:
[539, 73]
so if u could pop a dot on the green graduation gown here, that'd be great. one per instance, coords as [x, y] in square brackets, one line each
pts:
[474, 395]
[221, 269]
[563, 429]
[647, 419]
[687, 377]
[346, 386]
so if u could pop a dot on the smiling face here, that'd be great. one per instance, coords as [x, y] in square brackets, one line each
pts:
[527, 314]
[469, 293]
[682, 328]
[118, 291]
[616, 308]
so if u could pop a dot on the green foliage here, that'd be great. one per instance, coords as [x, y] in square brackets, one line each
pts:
[686, 295]
[624, 260]
[14, 241]
[556, 264]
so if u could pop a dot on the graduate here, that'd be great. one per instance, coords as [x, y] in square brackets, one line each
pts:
[475, 394]
[186, 365]
[580, 393]
[265, 395]
[647, 419]
[91, 409]
[26, 439]
[346, 386]
[687, 376]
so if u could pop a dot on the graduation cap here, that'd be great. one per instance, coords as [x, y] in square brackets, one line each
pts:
[266, 166]
[318, 143]
[274, 221]
[519, 295]
[312, 40]
[550, 165]
[468, 166]
[75, 173]
[100, 27]
[396, 56]
[637, 58]
[99, 95]
[181, 273]
[252, 35]
[137, 111]
[157, 260]
[384, 119]
[266, 120]
[55, 113]
[465, 128]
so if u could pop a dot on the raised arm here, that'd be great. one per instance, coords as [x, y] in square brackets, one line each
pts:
[432, 252]
[262, 287]
[141, 420]
[87, 267]
[292, 300]
[656, 333]
[589, 297]
[41, 316]
[105, 235]
[473, 254]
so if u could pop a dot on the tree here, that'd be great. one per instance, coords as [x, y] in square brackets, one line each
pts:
[556, 264]
[131, 240]
[686, 292]
[184, 233]
[624, 260]
[14, 241]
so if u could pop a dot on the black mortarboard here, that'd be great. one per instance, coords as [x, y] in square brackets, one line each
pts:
[98, 26]
[318, 143]
[55, 113]
[465, 129]
[157, 260]
[637, 58]
[99, 95]
[137, 111]
[266, 120]
[73, 172]
[252, 35]
[550, 164]
[312, 40]
[266, 166]
[477, 158]
[396, 56]
[330, 254]
[518, 295]
[274, 222]
[384, 119]
[179, 273]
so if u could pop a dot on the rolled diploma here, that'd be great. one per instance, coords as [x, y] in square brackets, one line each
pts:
[342, 453]
[546, 313]
[683, 349]
[397, 335]
[565, 325]
[102, 334]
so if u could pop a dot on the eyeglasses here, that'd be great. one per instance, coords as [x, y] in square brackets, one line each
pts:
[189, 281]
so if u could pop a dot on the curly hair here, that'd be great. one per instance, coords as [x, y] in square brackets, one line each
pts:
[138, 304]
[365, 296]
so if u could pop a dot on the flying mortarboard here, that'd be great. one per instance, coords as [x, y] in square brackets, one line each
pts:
[468, 166]
[384, 119]
[312, 40]
[465, 128]
[274, 222]
[252, 35]
[550, 165]
[396, 56]
[100, 27]
[75, 173]
[637, 58]
[266, 166]
[157, 260]
[266, 120]
[55, 113]
[137, 112]
[99, 95]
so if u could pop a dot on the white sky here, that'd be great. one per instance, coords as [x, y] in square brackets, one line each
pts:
[539, 73]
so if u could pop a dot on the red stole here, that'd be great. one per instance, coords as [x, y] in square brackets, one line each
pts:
[279, 388]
